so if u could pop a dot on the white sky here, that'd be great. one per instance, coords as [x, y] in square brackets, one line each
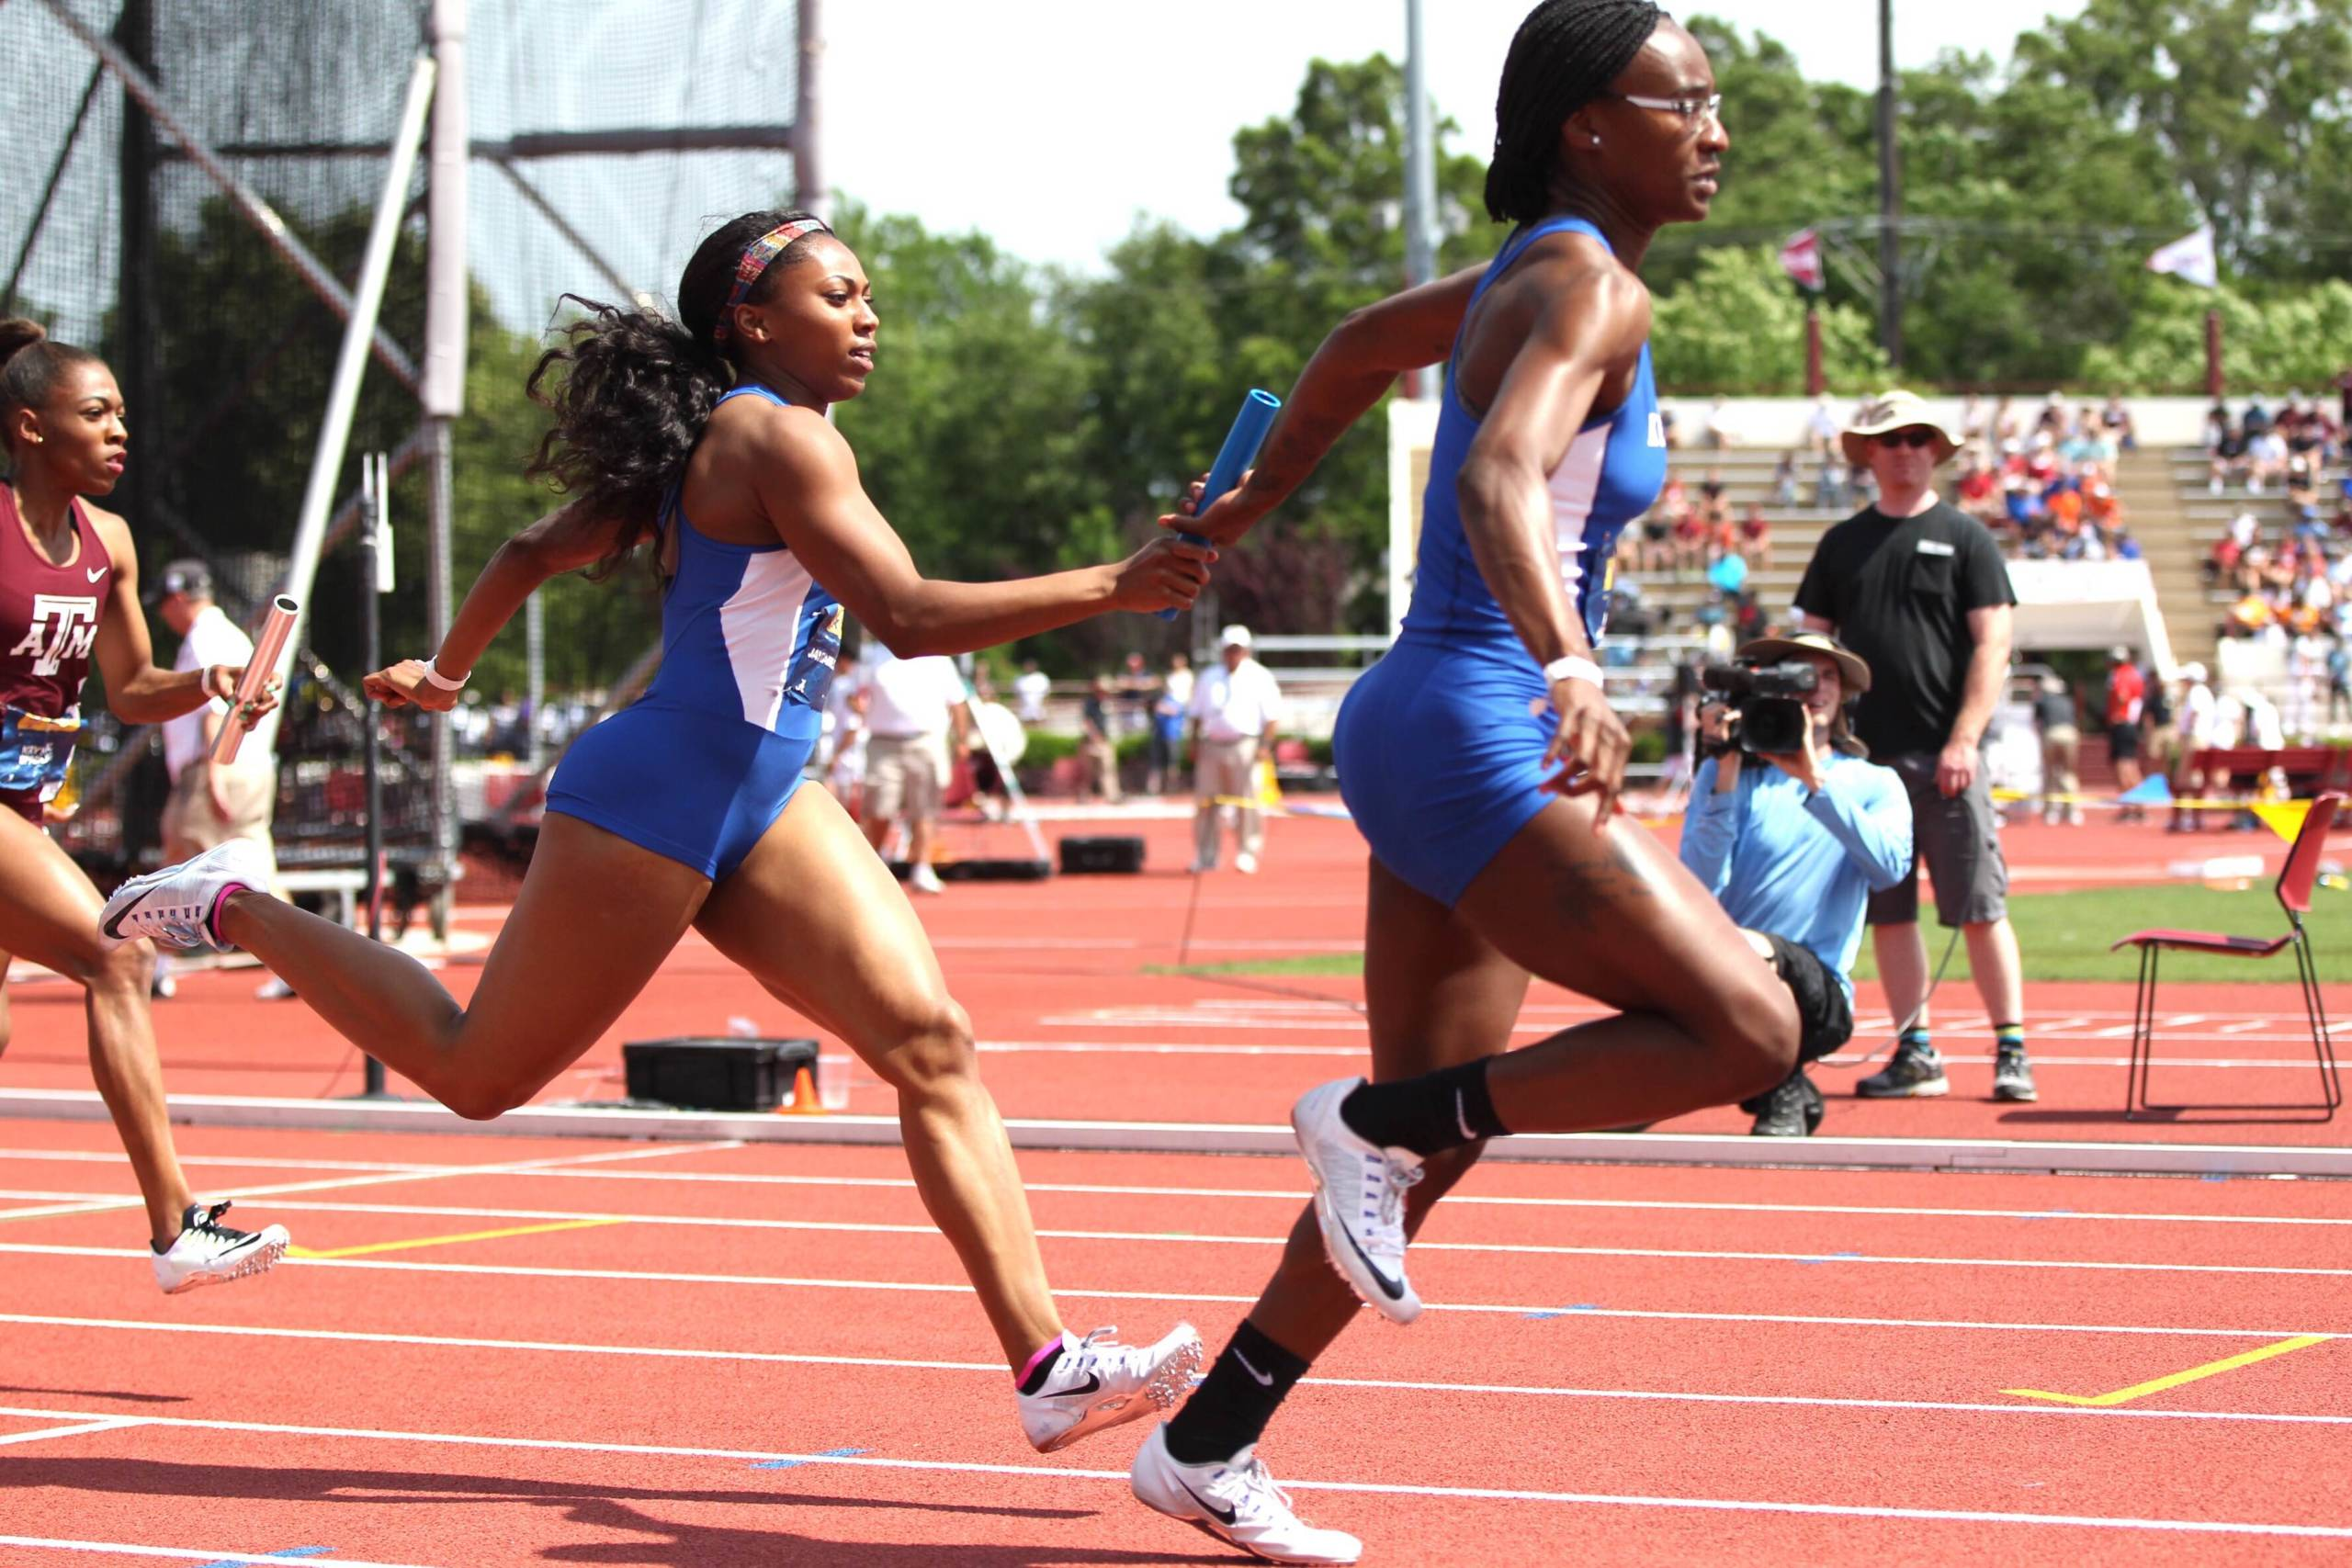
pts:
[1051, 125]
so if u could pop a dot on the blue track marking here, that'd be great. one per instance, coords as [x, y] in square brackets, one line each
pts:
[796, 1463]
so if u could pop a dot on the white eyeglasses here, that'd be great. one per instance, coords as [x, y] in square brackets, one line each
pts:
[1693, 110]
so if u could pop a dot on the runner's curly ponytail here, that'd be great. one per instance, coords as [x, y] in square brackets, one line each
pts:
[631, 389]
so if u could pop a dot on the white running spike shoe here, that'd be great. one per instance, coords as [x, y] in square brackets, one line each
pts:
[1235, 1502]
[210, 1253]
[173, 906]
[1098, 1382]
[1359, 1200]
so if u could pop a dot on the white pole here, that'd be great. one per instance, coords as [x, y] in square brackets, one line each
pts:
[444, 393]
[1420, 176]
[351, 363]
[809, 113]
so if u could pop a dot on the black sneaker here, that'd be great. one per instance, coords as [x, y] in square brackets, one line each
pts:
[1917, 1072]
[1791, 1111]
[2012, 1078]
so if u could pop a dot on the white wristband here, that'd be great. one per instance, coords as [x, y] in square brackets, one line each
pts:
[1571, 667]
[439, 679]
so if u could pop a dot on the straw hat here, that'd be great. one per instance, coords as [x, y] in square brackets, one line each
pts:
[1896, 410]
[1851, 670]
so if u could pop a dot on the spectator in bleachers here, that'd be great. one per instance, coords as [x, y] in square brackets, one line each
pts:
[1756, 537]
[2120, 425]
[1821, 429]
[2226, 454]
[2306, 676]
[2339, 682]
[2266, 458]
[2005, 428]
[2256, 419]
[1784, 481]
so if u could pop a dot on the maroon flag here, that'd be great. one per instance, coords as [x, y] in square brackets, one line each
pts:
[1801, 259]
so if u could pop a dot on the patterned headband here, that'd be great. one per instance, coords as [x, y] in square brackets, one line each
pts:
[757, 257]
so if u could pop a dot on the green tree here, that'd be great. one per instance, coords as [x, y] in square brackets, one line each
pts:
[2248, 104]
[1736, 325]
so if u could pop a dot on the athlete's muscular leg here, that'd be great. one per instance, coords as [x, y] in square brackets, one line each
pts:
[49, 912]
[595, 919]
[818, 920]
[1612, 915]
[1436, 994]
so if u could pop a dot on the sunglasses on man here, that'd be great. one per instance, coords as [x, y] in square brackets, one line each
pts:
[1918, 436]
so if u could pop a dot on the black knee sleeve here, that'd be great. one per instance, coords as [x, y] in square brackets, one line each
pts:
[1824, 1018]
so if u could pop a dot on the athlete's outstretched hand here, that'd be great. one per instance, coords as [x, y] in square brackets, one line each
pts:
[404, 685]
[1224, 522]
[1166, 574]
[1591, 747]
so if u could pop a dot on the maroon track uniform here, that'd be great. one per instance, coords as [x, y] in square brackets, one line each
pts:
[48, 618]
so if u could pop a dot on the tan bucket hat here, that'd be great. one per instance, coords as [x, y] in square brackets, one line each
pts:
[1772, 650]
[1897, 410]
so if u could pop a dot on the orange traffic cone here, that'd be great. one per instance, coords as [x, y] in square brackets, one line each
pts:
[804, 1101]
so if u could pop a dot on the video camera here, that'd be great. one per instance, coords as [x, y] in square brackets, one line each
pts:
[1767, 704]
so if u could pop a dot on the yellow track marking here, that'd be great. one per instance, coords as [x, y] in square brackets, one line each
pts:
[2157, 1385]
[446, 1240]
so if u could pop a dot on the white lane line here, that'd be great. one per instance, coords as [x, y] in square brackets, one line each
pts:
[195, 1553]
[110, 1424]
[1193, 1238]
[418, 1173]
[1475, 1494]
[996, 1370]
[1281, 1194]
[1504, 1309]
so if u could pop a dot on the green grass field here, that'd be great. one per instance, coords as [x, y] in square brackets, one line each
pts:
[2064, 936]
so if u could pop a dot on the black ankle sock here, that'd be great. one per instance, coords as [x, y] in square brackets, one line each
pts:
[1229, 1410]
[1043, 1368]
[1438, 1110]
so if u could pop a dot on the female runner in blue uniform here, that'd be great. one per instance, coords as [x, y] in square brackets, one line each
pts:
[707, 439]
[1479, 757]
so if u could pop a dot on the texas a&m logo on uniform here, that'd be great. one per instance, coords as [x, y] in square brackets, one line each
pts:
[64, 627]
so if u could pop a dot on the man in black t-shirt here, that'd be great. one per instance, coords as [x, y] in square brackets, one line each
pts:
[1918, 590]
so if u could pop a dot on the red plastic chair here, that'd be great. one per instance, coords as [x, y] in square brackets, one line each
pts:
[2295, 897]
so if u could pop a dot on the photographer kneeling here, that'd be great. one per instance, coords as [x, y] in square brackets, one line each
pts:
[1791, 850]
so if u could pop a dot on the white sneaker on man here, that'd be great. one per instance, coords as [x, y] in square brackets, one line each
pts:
[1246, 863]
[1235, 1502]
[1100, 1383]
[273, 990]
[174, 906]
[209, 1253]
[922, 879]
[1359, 1200]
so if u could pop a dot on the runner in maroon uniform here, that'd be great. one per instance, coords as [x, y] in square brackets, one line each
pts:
[69, 593]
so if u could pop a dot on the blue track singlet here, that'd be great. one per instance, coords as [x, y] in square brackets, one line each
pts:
[1441, 745]
[699, 767]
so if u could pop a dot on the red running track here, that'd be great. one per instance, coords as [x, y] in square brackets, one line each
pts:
[1073, 1025]
[736, 1355]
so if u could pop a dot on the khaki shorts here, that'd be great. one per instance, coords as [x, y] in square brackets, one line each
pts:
[1961, 845]
[904, 775]
[191, 824]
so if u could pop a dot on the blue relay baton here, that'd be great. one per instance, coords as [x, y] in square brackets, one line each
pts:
[1241, 450]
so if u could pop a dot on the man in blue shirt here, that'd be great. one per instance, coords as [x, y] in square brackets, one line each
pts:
[1792, 846]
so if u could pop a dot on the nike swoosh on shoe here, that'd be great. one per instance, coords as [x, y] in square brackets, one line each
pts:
[114, 926]
[1223, 1516]
[1393, 1289]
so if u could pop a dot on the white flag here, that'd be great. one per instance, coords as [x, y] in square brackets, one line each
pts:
[2189, 258]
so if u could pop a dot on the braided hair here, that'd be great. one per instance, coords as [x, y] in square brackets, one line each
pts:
[631, 389]
[32, 363]
[1563, 54]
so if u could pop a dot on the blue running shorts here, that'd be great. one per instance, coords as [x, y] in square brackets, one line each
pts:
[1441, 755]
[699, 788]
